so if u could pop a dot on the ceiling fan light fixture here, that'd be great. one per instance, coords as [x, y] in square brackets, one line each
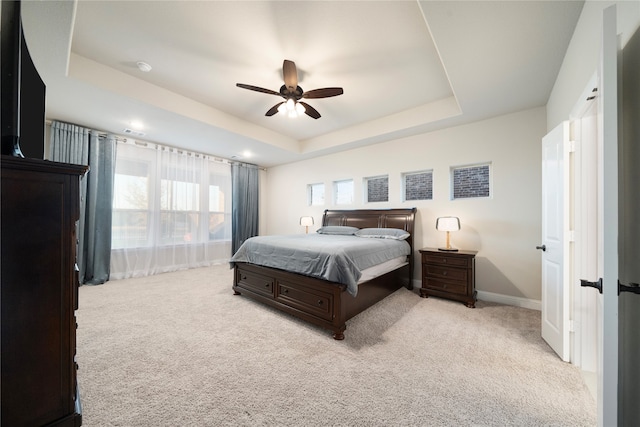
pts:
[291, 105]
[291, 93]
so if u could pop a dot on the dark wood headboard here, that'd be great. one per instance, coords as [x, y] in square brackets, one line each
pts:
[403, 219]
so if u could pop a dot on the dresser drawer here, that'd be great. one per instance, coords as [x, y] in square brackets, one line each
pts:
[307, 299]
[442, 285]
[445, 272]
[431, 258]
[255, 283]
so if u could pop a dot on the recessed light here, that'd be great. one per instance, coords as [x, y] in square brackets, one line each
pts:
[143, 66]
[136, 124]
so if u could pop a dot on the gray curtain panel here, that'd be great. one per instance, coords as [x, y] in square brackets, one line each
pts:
[74, 144]
[244, 203]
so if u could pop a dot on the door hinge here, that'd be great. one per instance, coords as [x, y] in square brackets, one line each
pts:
[572, 326]
[571, 236]
[571, 146]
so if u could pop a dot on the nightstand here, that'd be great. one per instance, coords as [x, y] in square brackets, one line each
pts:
[449, 275]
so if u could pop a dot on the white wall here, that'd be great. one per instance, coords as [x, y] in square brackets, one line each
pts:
[504, 229]
[582, 56]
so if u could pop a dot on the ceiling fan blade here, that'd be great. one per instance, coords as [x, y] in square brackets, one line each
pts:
[323, 93]
[290, 75]
[273, 110]
[310, 111]
[258, 89]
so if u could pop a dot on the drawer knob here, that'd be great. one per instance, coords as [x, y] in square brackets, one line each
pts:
[319, 302]
[266, 285]
[286, 291]
[244, 277]
[444, 260]
[444, 273]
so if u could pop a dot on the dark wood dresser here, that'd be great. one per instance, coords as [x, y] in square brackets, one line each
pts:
[449, 275]
[39, 292]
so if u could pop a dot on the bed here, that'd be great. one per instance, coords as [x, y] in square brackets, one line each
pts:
[327, 303]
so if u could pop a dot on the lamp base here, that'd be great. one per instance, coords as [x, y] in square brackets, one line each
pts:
[448, 249]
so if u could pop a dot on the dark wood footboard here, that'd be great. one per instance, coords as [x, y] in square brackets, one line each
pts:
[322, 303]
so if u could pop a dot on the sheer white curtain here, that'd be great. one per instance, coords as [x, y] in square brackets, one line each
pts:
[171, 210]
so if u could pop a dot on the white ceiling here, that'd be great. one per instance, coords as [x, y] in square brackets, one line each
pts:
[406, 67]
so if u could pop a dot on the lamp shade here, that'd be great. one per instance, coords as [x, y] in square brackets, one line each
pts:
[306, 221]
[448, 223]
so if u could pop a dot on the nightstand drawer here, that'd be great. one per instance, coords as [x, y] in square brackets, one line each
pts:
[456, 274]
[451, 287]
[430, 258]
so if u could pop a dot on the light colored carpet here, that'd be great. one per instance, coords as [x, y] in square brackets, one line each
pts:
[179, 349]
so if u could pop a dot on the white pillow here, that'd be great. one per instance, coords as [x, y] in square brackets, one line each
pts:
[383, 233]
[338, 229]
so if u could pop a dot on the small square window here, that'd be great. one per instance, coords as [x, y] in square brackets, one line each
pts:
[377, 189]
[315, 193]
[343, 192]
[471, 181]
[418, 185]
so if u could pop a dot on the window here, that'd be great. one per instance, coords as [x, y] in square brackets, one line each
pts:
[219, 206]
[315, 194]
[343, 192]
[471, 181]
[418, 185]
[166, 197]
[179, 206]
[377, 189]
[130, 204]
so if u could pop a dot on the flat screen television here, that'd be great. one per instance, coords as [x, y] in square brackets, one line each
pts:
[23, 98]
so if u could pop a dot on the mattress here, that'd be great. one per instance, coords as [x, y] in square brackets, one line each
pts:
[335, 258]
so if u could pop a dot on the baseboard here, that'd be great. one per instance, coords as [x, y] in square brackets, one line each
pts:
[509, 300]
[497, 298]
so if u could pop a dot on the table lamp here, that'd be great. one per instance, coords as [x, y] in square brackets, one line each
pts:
[448, 224]
[306, 221]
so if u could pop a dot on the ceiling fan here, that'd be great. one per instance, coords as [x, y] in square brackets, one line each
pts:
[292, 94]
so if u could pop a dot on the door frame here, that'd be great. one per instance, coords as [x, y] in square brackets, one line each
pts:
[608, 132]
[584, 222]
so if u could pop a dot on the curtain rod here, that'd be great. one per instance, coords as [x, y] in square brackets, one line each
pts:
[103, 134]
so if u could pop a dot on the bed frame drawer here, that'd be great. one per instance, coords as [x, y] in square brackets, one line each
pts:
[255, 283]
[307, 299]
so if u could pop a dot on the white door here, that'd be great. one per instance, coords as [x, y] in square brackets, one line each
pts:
[555, 240]
[608, 226]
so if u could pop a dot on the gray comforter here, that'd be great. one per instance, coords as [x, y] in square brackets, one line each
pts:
[335, 258]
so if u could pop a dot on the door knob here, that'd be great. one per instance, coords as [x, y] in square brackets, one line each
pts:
[543, 248]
